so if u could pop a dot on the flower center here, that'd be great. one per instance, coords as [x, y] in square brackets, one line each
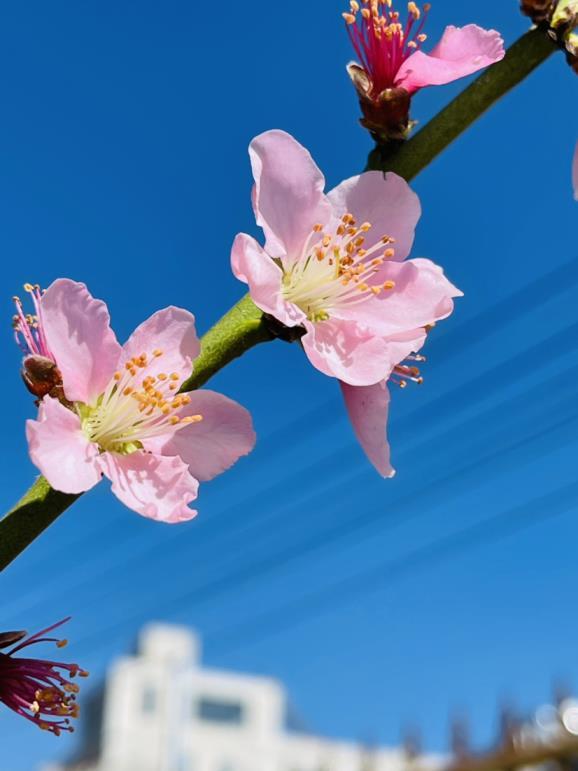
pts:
[335, 270]
[135, 407]
[381, 41]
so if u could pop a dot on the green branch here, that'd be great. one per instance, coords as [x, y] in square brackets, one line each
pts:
[243, 326]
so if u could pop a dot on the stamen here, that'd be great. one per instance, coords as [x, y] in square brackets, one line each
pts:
[134, 408]
[381, 43]
[337, 271]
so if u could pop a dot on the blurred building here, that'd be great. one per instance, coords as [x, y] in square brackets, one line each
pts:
[161, 710]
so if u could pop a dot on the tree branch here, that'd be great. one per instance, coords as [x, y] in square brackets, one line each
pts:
[243, 326]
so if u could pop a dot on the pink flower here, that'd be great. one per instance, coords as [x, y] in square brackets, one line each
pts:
[575, 173]
[123, 416]
[333, 265]
[392, 65]
[37, 689]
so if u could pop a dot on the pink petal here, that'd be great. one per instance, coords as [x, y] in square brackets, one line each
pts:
[368, 409]
[171, 331]
[78, 332]
[288, 196]
[156, 487]
[388, 203]
[460, 52]
[251, 264]
[575, 173]
[422, 295]
[217, 442]
[346, 351]
[61, 451]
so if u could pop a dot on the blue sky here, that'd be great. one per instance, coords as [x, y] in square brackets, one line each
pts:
[379, 603]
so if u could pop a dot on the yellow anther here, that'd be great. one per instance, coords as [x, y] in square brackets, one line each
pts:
[365, 226]
[349, 18]
[317, 228]
[389, 253]
[192, 419]
[162, 376]
[157, 352]
[326, 241]
[128, 391]
[354, 5]
[28, 287]
[174, 419]
[71, 688]
[361, 252]
[175, 376]
[117, 376]
[62, 643]
[413, 10]
[389, 285]
[365, 12]
[173, 386]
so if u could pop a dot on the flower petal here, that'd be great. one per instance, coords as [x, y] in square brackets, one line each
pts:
[346, 351]
[575, 173]
[421, 295]
[368, 409]
[288, 196]
[217, 442]
[388, 203]
[78, 333]
[251, 264]
[156, 487]
[460, 52]
[58, 447]
[171, 331]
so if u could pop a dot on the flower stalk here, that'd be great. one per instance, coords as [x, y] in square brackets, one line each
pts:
[244, 326]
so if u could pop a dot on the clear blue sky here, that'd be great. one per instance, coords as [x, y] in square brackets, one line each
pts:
[123, 154]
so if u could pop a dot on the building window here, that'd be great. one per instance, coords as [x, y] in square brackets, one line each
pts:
[220, 711]
[148, 700]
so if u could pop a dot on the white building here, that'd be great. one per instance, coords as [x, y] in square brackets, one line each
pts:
[163, 711]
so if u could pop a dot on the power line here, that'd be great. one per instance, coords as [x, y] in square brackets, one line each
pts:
[228, 520]
[435, 488]
[343, 592]
[448, 343]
